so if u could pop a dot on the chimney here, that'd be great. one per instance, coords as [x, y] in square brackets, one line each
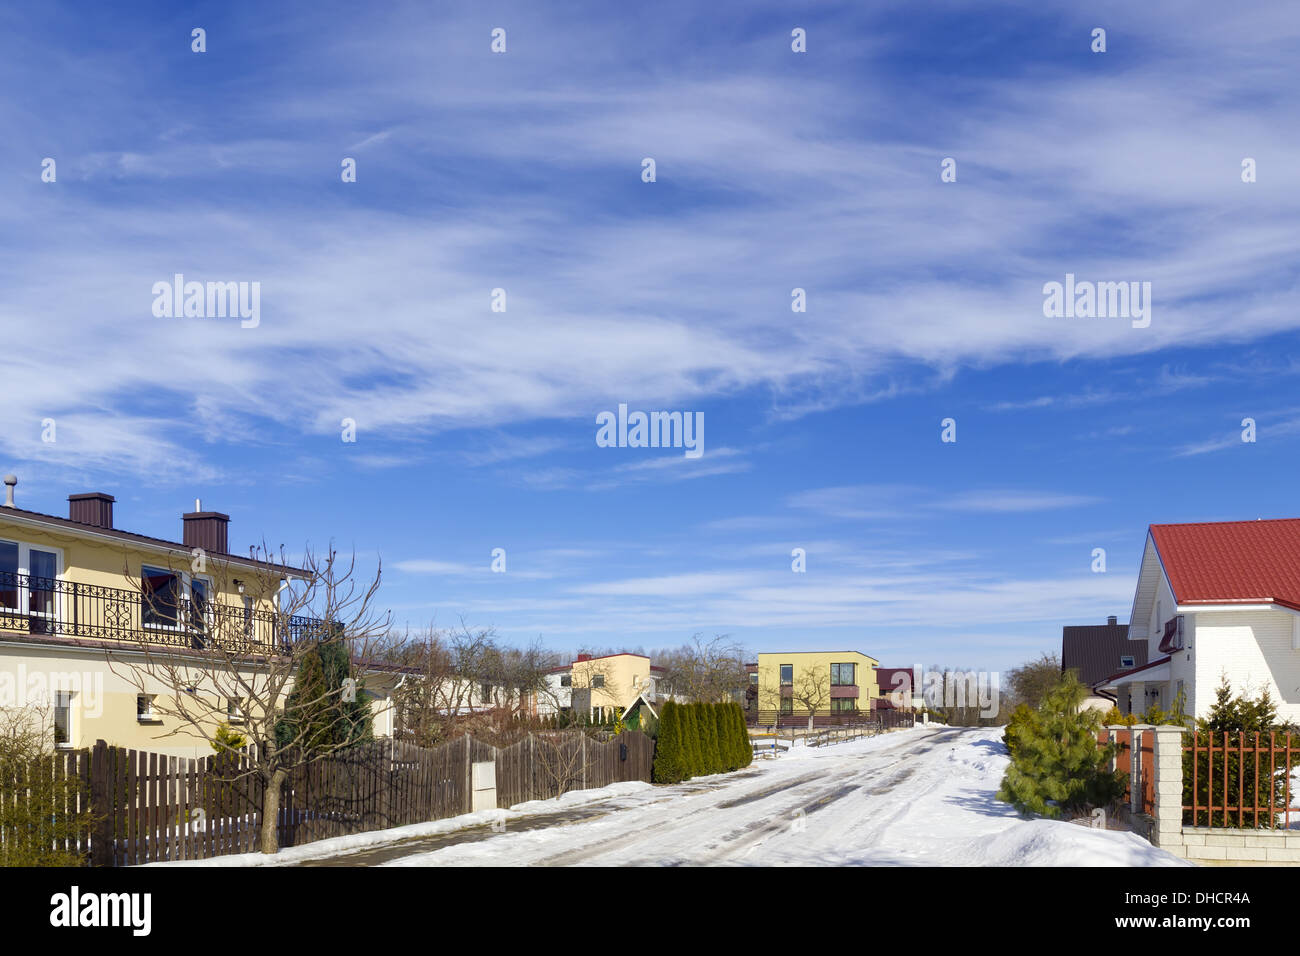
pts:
[1112, 620]
[11, 481]
[94, 509]
[584, 657]
[207, 530]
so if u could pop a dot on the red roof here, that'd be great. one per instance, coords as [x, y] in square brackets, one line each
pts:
[1227, 562]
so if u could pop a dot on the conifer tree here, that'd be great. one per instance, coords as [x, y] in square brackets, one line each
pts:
[668, 746]
[745, 752]
[709, 738]
[692, 759]
[1058, 764]
[317, 712]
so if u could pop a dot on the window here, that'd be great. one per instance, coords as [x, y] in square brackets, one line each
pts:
[28, 581]
[144, 707]
[485, 692]
[753, 678]
[1126, 661]
[566, 680]
[199, 602]
[160, 604]
[234, 710]
[63, 718]
[598, 680]
[787, 705]
[787, 675]
[199, 611]
[842, 675]
[9, 575]
[841, 705]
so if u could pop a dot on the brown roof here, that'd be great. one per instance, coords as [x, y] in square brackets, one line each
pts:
[69, 525]
[1094, 650]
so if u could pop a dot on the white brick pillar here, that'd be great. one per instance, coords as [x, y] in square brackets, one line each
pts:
[1168, 748]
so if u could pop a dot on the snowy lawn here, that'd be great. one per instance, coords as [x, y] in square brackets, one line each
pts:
[915, 797]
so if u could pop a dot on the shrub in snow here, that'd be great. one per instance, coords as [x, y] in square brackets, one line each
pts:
[1057, 764]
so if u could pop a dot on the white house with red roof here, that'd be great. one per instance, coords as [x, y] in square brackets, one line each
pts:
[1216, 599]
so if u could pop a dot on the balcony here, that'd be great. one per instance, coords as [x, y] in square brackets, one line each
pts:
[50, 607]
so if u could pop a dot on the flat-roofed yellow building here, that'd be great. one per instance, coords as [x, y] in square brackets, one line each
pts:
[816, 686]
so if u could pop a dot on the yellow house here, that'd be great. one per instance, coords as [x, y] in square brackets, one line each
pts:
[87, 611]
[608, 685]
[817, 686]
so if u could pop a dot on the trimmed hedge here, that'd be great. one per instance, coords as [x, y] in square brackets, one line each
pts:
[700, 739]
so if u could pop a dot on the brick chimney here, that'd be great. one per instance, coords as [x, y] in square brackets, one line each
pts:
[94, 508]
[1112, 620]
[207, 530]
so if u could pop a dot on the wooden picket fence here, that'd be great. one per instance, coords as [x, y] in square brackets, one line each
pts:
[152, 807]
[1136, 758]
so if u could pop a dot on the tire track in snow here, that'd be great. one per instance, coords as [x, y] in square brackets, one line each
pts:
[772, 822]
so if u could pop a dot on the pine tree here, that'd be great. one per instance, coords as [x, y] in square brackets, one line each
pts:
[1058, 764]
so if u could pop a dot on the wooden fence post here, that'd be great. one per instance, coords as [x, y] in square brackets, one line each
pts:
[101, 805]
[469, 774]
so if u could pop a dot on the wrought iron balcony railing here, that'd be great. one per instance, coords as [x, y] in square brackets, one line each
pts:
[49, 606]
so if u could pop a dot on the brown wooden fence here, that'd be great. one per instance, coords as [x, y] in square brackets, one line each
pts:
[151, 807]
[1139, 764]
[43, 804]
[880, 719]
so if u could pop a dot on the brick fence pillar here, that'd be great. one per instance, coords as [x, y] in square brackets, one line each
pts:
[1168, 751]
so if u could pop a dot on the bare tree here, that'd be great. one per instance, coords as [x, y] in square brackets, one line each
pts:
[202, 662]
[710, 671]
[464, 681]
[561, 759]
[811, 689]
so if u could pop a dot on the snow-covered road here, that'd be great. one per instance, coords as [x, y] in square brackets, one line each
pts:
[915, 797]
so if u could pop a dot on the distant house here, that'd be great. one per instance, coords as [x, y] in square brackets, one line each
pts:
[1214, 600]
[798, 687]
[1097, 651]
[899, 689]
[601, 688]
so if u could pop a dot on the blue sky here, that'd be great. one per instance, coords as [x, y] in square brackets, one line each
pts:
[775, 170]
